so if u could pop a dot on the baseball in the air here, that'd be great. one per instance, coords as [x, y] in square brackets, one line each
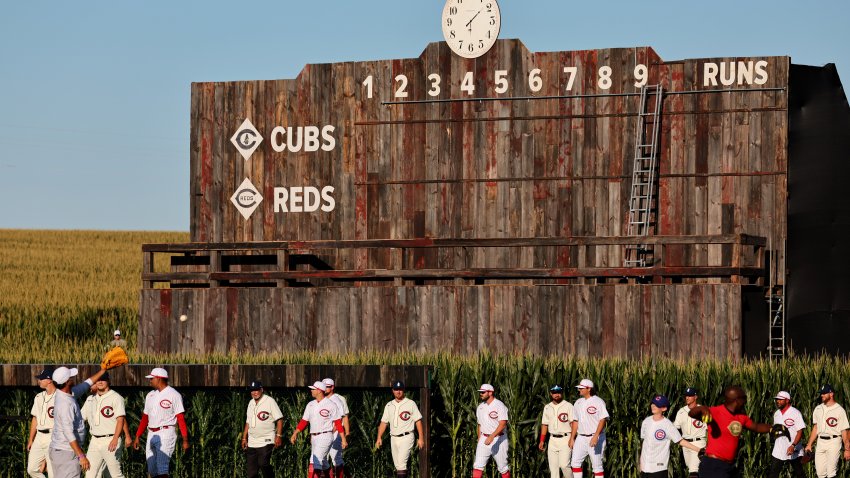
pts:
[184, 318]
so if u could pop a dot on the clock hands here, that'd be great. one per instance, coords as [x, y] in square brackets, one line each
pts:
[469, 23]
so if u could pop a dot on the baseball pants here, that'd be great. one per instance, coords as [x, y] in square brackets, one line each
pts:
[158, 450]
[101, 458]
[65, 464]
[258, 462]
[691, 457]
[777, 465]
[559, 454]
[826, 457]
[400, 447]
[498, 450]
[320, 445]
[582, 449]
[335, 455]
[38, 454]
[714, 468]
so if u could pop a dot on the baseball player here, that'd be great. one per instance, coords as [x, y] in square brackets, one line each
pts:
[336, 460]
[787, 448]
[589, 439]
[105, 414]
[559, 422]
[324, 417]
[41, 426]
[492, 417]
[725, 425]
[163, 413]
[830, 428]
[401, 414]
[69, 433]
[263, 432]
[693, 431]
[657, 432]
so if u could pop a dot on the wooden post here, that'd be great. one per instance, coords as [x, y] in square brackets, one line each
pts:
[283, 265]
[147, 268]
[398, 264]
[215, 266]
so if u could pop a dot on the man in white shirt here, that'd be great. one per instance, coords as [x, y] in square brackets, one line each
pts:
[693, 431]
[104, 411]
[402, 415]
[830, 429]
[323, 417]
[337, 463]
[589, 439]
[492, 417]
[656, 433]
[163, 413]
[263, 432]
[559, 422]
[788, 447]
[41, 426]
[69, 432]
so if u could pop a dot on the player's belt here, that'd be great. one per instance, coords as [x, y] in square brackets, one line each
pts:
[586, 435]
[827, 437]
[102, 436]
[694, 439]
[402, 434]
[165, 427]
[486, 434]
[555, 435]
[47, 430]
[321, 433]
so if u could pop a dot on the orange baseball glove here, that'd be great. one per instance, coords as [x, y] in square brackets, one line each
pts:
[114, 358]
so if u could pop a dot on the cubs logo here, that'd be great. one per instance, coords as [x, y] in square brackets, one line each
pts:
[494, 415]
[789, 422]
[591, 410]
[697, 423]
[831, 421]
[107, 412]
[405, 416]
[166, 404]
[264, 415]
[325, 412]
[660, 435]
[735, 428]
[50, 412]
[563, 417]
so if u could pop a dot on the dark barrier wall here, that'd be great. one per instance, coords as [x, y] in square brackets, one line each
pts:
[818, 292]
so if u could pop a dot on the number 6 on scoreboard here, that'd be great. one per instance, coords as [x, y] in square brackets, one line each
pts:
[571, 76]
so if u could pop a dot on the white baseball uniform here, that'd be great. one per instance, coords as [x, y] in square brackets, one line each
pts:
[401, 416]
[162, 408]
[694, 431]
[42, 410]
[321, 417]
[655, 449]
[793, 420]
[102, 413]
[335, 454]
[261, 417]
[489, 415]
[831, 421]
[558, 418]
[589, 412]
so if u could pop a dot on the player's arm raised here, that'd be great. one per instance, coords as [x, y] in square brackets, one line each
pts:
[702, 413]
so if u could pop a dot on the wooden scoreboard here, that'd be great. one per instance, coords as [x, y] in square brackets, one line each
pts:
[462, 204]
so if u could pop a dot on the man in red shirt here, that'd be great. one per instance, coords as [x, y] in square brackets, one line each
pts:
[725, 424]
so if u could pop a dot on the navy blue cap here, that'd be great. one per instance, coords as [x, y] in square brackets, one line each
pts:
[255, 385]
[660, 401]
[556, 388]
[691, 392]
[398, 385]
[104, 377]
[46, 373]
[827, 388]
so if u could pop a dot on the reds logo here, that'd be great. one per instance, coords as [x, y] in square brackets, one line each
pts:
[494, 415]
[50, 412]
[325, 412]
[107, 412]
[405, 416]
[591, 410]
[660, 435]
[697, 424]
[264, 415]
[166, 404]
[563, 417]
[831, 421]
[789, 422]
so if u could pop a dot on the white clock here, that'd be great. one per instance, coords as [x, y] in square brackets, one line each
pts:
[471, 27]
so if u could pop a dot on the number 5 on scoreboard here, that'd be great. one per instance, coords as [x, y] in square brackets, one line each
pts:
[571, 72]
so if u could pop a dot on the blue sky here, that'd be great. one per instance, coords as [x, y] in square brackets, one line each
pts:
[94, 95]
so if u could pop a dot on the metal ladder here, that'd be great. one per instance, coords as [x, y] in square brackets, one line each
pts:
[776, 305]
[643, 175]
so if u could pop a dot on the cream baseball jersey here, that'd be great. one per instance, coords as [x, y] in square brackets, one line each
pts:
[490, 414]
[102, 412]
[401, 415]
[341, 403]
[42, 410]
[321, 415]
[830, 420]
[793, 420]
[655, 449]
[589, 412]
[691, 427]
[261, 417]
[163, 406]
[558, 417]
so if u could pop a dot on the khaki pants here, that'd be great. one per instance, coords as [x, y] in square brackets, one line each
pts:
[559, 454]
[826, 457]
[65, 464]
[101, 458]
[38, 454]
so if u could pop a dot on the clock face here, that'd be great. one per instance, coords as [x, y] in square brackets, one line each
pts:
[471, 27]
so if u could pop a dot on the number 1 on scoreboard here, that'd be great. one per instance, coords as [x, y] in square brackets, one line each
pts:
[368, 84]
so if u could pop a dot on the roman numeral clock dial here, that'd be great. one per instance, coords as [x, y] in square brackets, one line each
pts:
[471, 27]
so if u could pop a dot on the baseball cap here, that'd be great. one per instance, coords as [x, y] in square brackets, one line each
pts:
[556, 388]
[158, 372]
[585, 383]
[691, 392]
[486, 387]
[318, 386]
[46, 373]
[255, 385]
[660, 401]
[398, 385]
[117, 332]
[104, 377]
[329, 382]
[826, 388]
[63, 374]
[783, 396]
